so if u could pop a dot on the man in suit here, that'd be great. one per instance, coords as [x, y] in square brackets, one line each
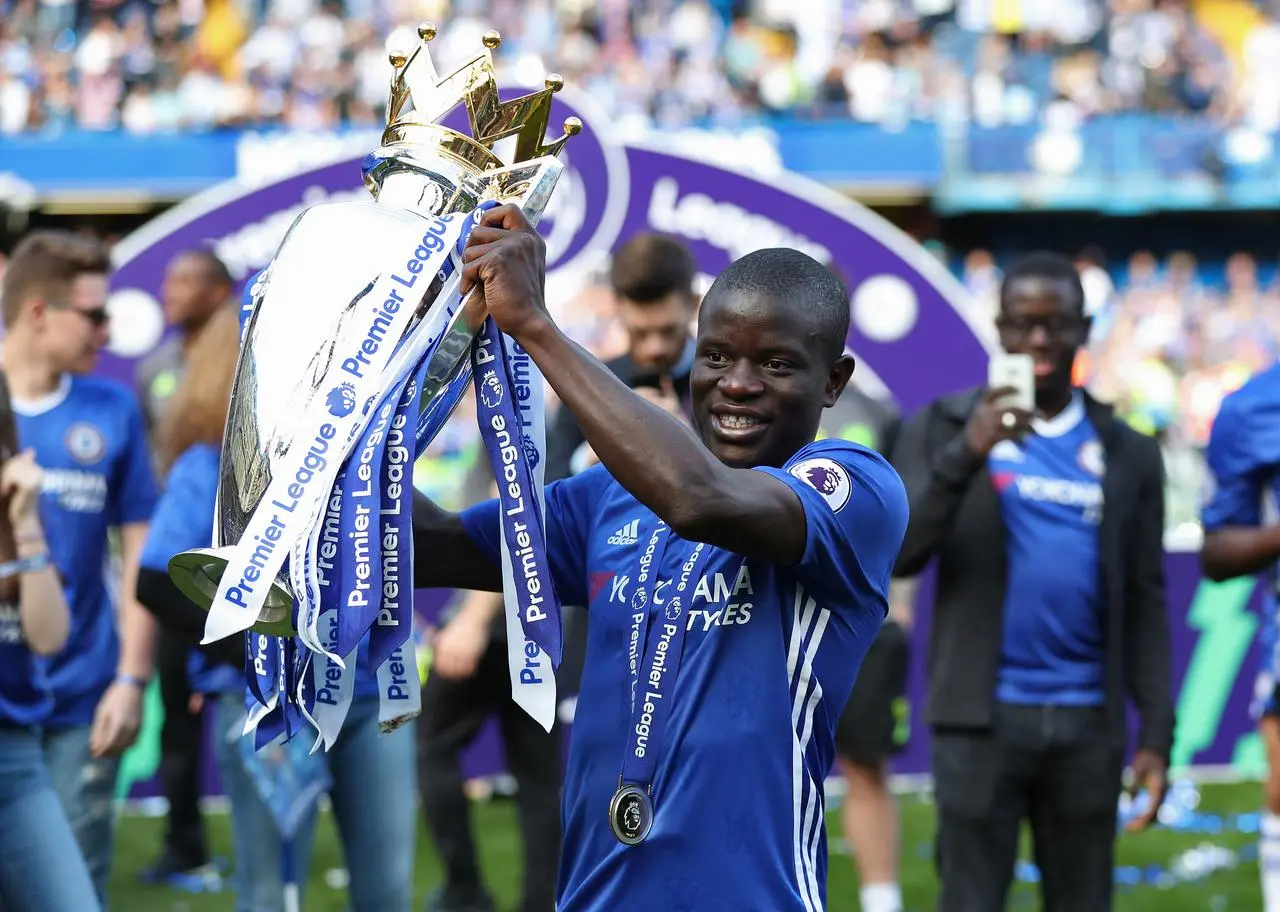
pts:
[1049, 615]
[652, 277]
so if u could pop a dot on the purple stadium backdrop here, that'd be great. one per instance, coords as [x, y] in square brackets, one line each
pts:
[908, 331]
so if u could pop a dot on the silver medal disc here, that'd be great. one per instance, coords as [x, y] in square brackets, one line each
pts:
[630, 814]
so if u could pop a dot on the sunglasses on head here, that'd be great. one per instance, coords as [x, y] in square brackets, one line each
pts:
[98, 316]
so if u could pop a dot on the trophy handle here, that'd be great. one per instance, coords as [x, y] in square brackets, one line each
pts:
[8, 449]
[198, 572]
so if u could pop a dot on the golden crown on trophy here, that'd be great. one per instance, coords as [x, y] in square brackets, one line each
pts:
[419, 98]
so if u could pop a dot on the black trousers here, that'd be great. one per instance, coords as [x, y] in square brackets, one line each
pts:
[452, 714]
[180, 740]
[1052, 765]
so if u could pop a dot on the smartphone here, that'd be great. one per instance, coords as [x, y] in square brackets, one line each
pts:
[1017, 371]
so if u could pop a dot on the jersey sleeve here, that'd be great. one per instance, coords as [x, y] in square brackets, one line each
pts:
[855, 511]
[183, 518]
[133, 494]
[1236, 477]
[570, 505]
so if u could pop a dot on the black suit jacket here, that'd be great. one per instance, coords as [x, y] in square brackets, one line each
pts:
[564, 436]
[956, 517]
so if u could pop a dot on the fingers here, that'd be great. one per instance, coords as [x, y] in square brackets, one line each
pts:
[99, 737]
[508, 216]
[482, 235]
[999, 392]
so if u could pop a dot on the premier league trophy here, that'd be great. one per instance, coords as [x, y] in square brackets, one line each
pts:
[356, 348]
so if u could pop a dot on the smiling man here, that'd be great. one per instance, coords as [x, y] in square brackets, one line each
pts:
[1050, 611]
[724, 640]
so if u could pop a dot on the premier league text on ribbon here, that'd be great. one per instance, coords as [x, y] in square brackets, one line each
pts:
[398, 459]
[432, 245]
[514, 500]
[312, 464]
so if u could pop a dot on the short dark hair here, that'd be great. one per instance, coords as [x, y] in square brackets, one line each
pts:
[784, 274]
[1044, 264]
[650, 267]
[218, 271]
[45, 263]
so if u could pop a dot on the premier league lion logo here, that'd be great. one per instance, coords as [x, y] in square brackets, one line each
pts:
[531, 454]
[632, 820]
[341, 400]
[827, 477]
[490, 390]
[823, 480]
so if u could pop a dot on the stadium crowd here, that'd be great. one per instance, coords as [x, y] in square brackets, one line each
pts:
[150, 66]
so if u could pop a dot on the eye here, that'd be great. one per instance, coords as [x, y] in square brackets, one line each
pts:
[777, 365]
[715, 358]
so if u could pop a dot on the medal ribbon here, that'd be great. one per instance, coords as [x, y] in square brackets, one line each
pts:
[653, 682]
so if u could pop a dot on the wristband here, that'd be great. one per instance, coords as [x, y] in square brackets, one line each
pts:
[130, 679]
[30, 564]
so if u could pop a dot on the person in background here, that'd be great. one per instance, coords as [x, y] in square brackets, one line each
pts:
[1240, 540]
[373, 774]
[41, 867]
[87, 434]
[196, 285]
[1050, 611]
[652, 276]
[874, 723]
[469, 682]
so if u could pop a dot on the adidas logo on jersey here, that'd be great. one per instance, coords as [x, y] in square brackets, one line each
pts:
[627, 535]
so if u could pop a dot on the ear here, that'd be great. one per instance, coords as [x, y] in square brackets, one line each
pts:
[33, 310]
[837, 379]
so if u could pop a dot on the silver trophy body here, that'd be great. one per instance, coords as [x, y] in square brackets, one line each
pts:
[321, 270]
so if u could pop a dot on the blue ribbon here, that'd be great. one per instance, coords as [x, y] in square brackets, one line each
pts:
[521, 513]
[394, 621]
[653, 681]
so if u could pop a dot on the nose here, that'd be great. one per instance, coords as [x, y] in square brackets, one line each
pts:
[1039, 336]
[740, 381]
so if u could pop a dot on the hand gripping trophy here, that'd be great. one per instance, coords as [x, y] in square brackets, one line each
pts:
[357, 347]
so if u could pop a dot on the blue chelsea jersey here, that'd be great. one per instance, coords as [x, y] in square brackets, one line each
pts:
[770, 658]
[1243, 456]
[184, 520]
[88, 437]
[1050, 490]
[25, 696]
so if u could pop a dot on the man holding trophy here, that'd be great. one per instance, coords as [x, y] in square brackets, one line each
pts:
[722, 643]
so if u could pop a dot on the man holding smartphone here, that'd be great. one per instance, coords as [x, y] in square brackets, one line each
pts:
[1049, 613]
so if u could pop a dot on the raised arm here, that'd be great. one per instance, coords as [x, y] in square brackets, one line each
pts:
[650, 453]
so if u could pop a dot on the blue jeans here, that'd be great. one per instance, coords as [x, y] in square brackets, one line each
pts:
[374, 802]
[87, 788]
[40, 863]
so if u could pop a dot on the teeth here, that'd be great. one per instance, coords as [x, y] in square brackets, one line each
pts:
[737, 422]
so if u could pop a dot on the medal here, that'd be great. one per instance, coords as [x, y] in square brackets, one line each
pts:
[630, 814]
[652, 683]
